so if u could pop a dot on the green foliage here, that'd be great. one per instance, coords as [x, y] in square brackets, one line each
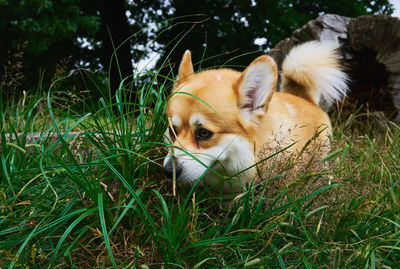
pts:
[64, 35]
[44, 23]
[232, 26]
[50, 30]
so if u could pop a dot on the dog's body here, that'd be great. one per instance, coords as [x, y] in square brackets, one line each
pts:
[220, 120]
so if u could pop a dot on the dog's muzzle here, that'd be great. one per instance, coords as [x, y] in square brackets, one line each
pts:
[169, 169]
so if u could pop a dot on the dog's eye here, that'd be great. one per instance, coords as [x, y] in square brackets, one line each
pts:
[203, 134]
[172, 131]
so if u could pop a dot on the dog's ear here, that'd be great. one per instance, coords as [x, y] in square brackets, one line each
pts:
[255, 88]
[185, 68]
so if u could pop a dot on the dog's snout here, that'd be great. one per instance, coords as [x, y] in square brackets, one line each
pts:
[169, 169]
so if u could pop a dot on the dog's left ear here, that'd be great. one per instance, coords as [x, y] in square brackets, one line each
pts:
[255, 88]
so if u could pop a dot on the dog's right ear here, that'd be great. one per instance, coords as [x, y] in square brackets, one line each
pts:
[185, 68]
[255, 88]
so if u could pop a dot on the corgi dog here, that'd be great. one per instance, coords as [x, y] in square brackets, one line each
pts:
[221, 119]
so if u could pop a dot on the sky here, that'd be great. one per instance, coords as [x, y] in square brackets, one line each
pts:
[396, 5]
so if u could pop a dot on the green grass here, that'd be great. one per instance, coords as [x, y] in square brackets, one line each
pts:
[99, 199]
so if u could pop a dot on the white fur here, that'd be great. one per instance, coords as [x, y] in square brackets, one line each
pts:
[196, 119]
[176, 121]
[231, 156]
[314, 65]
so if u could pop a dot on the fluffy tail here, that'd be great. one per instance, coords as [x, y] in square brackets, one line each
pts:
[312, 71]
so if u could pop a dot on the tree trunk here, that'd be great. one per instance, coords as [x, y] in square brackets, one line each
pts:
[115, 32]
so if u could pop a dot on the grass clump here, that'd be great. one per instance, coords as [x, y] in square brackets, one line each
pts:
[88, 191]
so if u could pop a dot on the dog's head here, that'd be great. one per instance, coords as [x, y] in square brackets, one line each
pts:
[213, 117]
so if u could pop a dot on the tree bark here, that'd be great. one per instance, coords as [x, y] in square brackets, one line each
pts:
[117, 49]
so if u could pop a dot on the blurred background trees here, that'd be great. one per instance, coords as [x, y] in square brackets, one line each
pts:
[44, 39]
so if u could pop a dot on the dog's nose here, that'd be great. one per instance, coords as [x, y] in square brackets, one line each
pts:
[168, 169]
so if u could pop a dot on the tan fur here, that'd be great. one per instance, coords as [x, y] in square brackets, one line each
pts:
[229, 104]
[221, 96]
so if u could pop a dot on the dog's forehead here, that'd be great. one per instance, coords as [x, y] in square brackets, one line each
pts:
[207, 99]
[191, 111]
[210, 83]
[212, 89]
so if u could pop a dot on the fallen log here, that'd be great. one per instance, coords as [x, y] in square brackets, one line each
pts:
[370, 49]
[33, 138]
